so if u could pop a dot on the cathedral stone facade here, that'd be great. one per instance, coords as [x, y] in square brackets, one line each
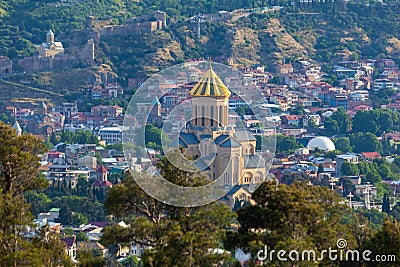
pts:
[222, 152]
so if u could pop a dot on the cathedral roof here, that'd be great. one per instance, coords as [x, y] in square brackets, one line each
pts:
[237, 188]
[253, 161]
[182, 143]
[156, 101]
[244, 135]
[210, 85]
[202, 164]
[221, 138]
[230, 142]
[225, 140]
[189, 138]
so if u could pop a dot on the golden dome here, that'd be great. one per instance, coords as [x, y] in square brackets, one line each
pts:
[210, 85]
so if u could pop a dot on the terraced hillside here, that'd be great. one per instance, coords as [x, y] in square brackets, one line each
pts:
[264, 36]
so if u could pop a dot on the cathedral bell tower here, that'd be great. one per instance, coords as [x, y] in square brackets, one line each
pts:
[210, 99]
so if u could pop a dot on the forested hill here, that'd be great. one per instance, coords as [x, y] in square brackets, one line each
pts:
[319, 30]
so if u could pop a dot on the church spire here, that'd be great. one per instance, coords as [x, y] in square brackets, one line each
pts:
[50, 37]
[210, 85]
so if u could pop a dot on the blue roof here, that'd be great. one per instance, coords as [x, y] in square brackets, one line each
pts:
[225, 140]
[253, 161]
[221, 138]
[189, 138]
[244, 135]
[230, 142]
[200, 164]
[236, 188]
[205, 136]
[181, 143]
[312, 168]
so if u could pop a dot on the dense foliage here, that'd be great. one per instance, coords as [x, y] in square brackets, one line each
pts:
[366, 30]
[19, 162]
[179, 236]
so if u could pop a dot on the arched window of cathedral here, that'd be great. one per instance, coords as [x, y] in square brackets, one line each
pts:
[220, 122]
[226, 114]
[212, 116]
[203, 115]
[226, 178]
[242, 196]
[249, 150]
[236, 168]
[247, 177]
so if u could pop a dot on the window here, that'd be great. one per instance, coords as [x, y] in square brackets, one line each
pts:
[220, 116]
[202, 115]
[212, 116]
[249, 150]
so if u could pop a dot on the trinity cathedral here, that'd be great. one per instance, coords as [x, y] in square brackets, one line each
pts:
[221, 151]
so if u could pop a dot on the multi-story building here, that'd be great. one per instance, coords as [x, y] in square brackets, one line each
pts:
[112, 135]
[67, 109]
[59, 173]
[340, 159]
[103, 110]
[382, 84]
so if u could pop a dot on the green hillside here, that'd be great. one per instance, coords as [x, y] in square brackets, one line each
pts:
[319, 31]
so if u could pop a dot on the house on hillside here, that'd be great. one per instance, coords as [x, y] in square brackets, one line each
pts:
[70, 247]
[284, 68]
[370, 156]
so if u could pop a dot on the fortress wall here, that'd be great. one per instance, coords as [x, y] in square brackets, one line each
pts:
[78, 37]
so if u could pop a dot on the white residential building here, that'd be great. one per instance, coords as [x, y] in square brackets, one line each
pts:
[112, 135]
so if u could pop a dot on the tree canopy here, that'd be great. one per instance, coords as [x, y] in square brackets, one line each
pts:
[178, 236]
[19, 165]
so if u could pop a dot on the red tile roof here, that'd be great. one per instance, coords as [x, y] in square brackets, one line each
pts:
[371, 155]
[102, 184]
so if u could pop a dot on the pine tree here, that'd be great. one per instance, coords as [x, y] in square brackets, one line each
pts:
[70, 188]
[386, 242]
[66, 216]
[290, 217]
[320, 168]
[386, 203]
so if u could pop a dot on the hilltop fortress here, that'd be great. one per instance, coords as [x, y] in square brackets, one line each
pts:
[50, 54]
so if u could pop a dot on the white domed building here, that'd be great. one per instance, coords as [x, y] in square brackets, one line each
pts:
[322, 143]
